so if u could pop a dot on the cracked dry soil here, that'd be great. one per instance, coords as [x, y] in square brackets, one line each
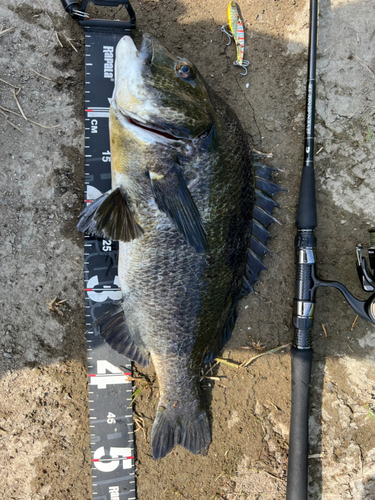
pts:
[44, 435]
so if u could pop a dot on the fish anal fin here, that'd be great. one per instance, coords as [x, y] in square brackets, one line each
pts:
[225, 334]
[114, 330]
[110, 217]
[173, 197]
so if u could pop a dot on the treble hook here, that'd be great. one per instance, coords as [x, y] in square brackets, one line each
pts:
[228, 34]
[244, 65]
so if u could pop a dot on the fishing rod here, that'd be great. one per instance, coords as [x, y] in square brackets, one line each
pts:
[306, 284]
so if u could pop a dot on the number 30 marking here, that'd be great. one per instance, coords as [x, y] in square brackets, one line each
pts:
[105, 294]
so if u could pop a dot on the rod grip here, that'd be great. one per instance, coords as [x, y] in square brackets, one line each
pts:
[298, 436]
[306, 210]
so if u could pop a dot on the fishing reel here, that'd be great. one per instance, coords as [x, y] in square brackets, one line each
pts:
[366, 273]
[307, 282]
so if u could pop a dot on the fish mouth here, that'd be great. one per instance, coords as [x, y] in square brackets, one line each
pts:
[154, 130]
[148, 126]
[146, 131]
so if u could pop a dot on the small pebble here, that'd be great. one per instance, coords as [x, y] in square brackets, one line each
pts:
[330, 387]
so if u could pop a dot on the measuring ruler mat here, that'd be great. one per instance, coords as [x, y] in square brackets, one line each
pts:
[110, 391]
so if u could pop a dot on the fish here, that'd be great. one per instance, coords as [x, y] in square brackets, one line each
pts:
[190, 208]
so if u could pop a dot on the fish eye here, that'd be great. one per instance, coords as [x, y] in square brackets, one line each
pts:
[185, 71]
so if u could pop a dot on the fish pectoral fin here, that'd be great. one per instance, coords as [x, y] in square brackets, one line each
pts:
[115, 332]
[173, 197]
[110, 216]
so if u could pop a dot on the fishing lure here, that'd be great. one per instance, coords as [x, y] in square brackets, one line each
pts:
[237, 33]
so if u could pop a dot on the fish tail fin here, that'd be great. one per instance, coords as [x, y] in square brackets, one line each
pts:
[189, 429]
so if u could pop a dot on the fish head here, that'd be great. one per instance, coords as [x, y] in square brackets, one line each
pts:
[158, 95]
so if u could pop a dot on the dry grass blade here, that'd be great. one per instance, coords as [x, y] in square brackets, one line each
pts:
[325, 331]
[271, 351]
[28, 119]
[212, 378]
[6, 30]
[265, 155]
[42, 76]
[208, 371]
[70, 43]
[139, 423]
[10, 84]
[19, 105]
[354, 323]
[55, 304]
[10, 111]
[228, 363]
[58, 40]
[11, 123]
[43, 126]
[370, 70]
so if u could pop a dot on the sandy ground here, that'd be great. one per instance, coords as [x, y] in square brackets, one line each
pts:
[44, 438]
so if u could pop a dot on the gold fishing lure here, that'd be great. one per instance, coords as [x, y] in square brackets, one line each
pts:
[237, 33]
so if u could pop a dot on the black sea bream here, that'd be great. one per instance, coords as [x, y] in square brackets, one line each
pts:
[191, 226]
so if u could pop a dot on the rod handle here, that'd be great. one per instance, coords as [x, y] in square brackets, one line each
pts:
[298, 436]
[306, 209]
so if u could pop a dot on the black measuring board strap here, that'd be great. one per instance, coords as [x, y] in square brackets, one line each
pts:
[110, 391]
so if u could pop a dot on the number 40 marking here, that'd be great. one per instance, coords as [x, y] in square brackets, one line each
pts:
[101, 379]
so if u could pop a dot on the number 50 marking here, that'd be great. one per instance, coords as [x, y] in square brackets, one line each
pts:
[111, 464]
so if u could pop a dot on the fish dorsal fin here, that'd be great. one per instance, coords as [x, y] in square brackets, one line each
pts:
[262, 218]
[173, 197]
[110, 217]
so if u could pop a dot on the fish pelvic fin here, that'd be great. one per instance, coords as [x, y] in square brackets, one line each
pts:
[115, 332]
[109, 216]
[173, 197]
[190, 429]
